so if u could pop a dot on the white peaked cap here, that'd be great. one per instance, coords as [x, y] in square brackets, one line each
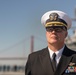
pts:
[62, 16]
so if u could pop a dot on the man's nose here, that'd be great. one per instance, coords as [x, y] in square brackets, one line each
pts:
[53, 31]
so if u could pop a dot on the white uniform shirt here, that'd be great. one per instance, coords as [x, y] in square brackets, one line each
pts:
[58, 54]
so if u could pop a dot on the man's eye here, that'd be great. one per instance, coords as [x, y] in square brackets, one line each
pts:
[58, 29]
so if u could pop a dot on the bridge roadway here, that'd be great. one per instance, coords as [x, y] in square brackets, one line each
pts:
[13, 58]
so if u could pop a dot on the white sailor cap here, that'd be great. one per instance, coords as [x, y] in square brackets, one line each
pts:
[56, 18]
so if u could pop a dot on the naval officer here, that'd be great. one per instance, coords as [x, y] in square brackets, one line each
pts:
[56, 58]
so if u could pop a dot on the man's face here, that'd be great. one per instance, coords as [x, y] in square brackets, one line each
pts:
[56, 35]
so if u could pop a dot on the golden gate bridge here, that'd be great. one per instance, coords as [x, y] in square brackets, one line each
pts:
[31, 44]
[5, 60]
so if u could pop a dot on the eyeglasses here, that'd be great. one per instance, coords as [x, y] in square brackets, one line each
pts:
[56, 29]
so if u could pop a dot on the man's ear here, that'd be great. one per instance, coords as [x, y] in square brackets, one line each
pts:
[66, 34]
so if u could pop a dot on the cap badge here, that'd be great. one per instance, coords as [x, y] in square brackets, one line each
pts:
[53, 16]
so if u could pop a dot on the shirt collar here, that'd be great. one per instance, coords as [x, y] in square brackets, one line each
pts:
[58, 53]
